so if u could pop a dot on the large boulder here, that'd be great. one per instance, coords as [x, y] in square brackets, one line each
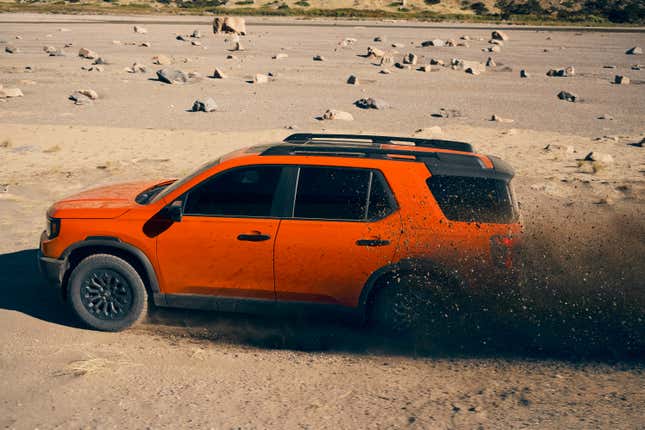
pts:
[204, 105]
[229, 24]
[87, 53]
[636, 50]
[499, 35]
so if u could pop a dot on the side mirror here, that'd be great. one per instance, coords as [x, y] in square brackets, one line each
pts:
[174, 211]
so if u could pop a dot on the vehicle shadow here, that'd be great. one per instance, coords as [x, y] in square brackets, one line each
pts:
[490, 328]
[23, 289]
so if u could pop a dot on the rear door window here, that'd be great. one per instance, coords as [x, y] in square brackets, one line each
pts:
[473, 199]
[341, 194]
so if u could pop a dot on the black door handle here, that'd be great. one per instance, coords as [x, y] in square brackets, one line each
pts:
[372, 242]
[254, 237]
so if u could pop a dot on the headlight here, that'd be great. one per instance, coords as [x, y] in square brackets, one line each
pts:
[53, 227]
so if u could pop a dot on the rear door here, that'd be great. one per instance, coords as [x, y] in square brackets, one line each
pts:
[344, 226]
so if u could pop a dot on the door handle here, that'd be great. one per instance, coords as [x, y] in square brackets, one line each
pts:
[255, 237]
[372, 242]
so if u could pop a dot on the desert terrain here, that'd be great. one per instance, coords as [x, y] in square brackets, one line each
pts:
[564, 350]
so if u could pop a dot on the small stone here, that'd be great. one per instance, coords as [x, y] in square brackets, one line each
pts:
[162, 60]
[280, 56]
[238, 46]
[87, 53]
[352, 80]
[332, 114]
[91, 94]
[447, 113]
[434, 130]
[636, 50]
[434, 42]
[451, 43]
[609, 66]
[10, 49]
[145, 44]
[498, 118]
[260, 78]
[402, 66]
[606, 116]
[318, 58]
[372, 103]
[621, 80]
[397, 45]
[140, 30]
[80, 99]
[600, 157]
[425, 68]
[637, 67]
[64, 30]
[410, 58]
[499, 35]
[375, 52]
[136, 68]
[116, 42]
[100, 60]
[204, 105]
[490, 62]
[218, 74]
[496, 42]
[378, 39]
[562, 73]
[182, 38]
[436, 62]
[385, 71]
[172, 76]
[523, 74]
[196, 34]
[494, 48]
[8, 93]
[472, 71]
[567, 96]
[197, 43]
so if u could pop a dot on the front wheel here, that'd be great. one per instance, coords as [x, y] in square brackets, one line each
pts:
[107, 293]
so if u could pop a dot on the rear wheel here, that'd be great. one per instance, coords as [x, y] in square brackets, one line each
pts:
[416, 303]
[107, 293]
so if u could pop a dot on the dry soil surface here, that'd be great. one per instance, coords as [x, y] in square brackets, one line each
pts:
[186, 369]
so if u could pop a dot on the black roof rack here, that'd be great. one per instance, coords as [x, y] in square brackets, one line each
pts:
[309, 138]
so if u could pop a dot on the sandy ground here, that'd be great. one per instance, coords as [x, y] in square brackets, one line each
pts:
[185, 369]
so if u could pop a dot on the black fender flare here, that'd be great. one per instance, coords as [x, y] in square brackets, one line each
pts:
[408, 265]
[116, 243]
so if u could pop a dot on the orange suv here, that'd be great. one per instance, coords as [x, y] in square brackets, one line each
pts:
[319, 222]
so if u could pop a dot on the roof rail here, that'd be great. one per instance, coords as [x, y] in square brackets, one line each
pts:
[308, 138]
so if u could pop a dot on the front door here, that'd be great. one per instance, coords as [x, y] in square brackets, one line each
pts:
[224, 244]
[344, 227]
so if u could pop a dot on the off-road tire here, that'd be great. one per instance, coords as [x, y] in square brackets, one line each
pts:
[415, 304]
[107, 293]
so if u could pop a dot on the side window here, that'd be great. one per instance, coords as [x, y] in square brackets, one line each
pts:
[341, 194]
[380, 204]
[247, 191]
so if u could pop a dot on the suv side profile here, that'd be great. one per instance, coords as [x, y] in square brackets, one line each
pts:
[317, 223]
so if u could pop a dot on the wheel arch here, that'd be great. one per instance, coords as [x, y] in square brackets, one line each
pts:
[410, 265]
[76, 252]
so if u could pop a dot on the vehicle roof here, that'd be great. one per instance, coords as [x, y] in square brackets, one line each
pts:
[442, 157]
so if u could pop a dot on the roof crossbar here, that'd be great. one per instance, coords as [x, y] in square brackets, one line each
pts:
[310, 138]
[336, 150]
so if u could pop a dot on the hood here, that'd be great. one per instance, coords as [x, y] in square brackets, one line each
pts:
[108, 201]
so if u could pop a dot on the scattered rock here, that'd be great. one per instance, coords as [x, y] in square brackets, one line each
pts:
[100, 60]
[599, 157]
[64, 30]
[229, 24]
[80, 99]
[318, 58]
[465, 37]
[472, 71]
[8, 93]
[93, 68]
[637, 67]
[523, 74]
[145, 44]
[372, 103]
[402, 66]
[429, 131]
[436, 62]
[609, 66]
[375, 52]
[434, 42]
[352, 80]
[182, 37]
[425, 68]
[11, 49]
[640, 144]
[198, 43]
[378, 39]
[570, 97]
[451, 43]
[494, 48]
[116, 42]
[606, 116]
[410, 58]
[280, 56]
[260, 78]
[499, 35]
[91, 94]
[204, 105]
[621, 80]
[140, 30]
[218, 74]
[386, 60]
[562, 73]
[333, 114]
[498, 118]
[447, 113]
[496, 42]
[196, 34]
[136, 68]
[172, 76]
[161, 60]
[490, 62]
[238, 46]
[385, 71]
[397, 45]
[636, 50]
[87, 53]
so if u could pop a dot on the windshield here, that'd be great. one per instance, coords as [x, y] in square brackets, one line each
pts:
[181, 182]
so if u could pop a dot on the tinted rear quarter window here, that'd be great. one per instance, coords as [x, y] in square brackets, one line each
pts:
[473, 199]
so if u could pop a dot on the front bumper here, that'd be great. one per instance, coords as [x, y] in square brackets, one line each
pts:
[52, 269]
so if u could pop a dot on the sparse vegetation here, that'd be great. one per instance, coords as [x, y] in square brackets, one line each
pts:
[302, 3]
